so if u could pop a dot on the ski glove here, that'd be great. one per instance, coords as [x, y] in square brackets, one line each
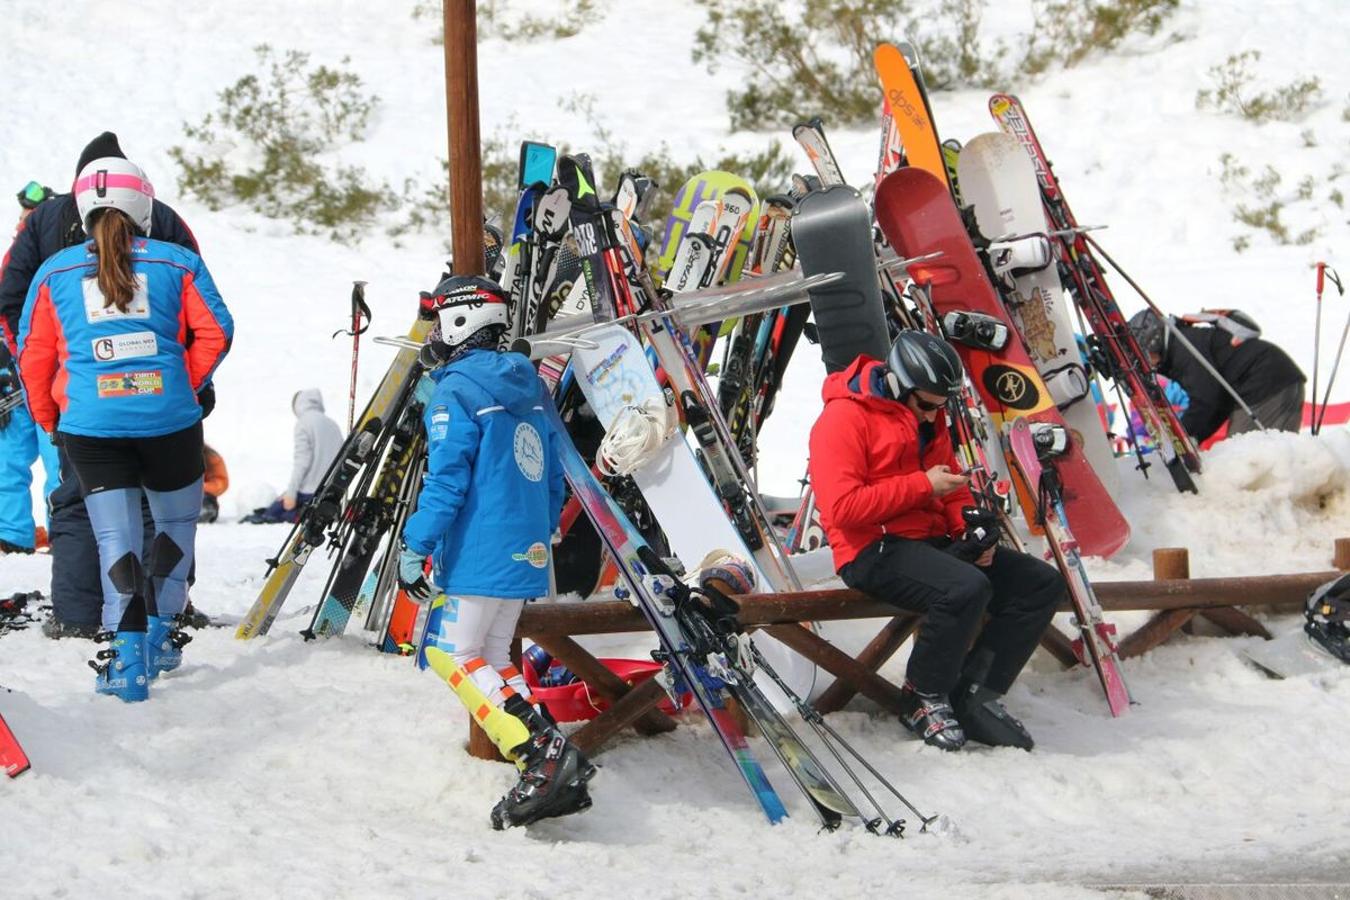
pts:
[10, 395]
[411, 577]
[206, 397]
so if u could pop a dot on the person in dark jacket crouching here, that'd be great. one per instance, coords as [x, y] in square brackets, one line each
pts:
[893, 506]
[107, 367]
[1262, 374]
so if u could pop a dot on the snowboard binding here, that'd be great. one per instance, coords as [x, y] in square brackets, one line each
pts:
[976, 330]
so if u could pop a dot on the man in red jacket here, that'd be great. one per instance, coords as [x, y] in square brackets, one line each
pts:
[892, 503]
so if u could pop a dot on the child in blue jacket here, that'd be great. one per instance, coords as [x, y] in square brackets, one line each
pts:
[118, 337]
[490, 502]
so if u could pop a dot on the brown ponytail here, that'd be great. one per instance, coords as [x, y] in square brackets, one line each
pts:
[113, 233]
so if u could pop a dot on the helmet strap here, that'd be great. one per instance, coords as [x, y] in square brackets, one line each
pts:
[893, 385]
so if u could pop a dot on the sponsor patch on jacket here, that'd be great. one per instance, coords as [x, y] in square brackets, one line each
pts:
[131, 384]
[440, 423]
[536, 556]
[97, 309]
[529, 451]
[125, 346]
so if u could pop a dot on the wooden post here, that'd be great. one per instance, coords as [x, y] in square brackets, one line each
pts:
[461, 115]
[1169, 564]
[1341, 558]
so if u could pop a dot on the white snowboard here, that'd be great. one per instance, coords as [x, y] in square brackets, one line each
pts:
[997, 178]
[1290, 655]
[615, 373]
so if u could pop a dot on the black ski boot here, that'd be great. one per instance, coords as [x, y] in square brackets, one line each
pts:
[552, 780]
[978, 708]
[985, 720]
[930, 716]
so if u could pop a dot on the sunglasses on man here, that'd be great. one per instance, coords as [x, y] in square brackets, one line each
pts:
[927, 406]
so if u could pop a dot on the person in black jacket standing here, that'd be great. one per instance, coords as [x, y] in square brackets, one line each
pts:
[1262, 374]
[77, 593]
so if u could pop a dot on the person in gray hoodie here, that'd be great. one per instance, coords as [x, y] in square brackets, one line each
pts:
[317, 441]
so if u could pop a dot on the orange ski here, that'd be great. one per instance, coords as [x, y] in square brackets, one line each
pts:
[923, 147]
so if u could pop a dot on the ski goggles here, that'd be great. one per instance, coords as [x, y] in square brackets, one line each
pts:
[32, 194]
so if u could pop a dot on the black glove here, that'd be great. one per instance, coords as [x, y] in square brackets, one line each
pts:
[982, 532]
[207, 398]
[11, 393]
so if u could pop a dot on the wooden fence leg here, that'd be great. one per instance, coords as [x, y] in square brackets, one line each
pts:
[1060, 646]
[1235, 621]
[638, 702]
[875, 655]
[840, 664]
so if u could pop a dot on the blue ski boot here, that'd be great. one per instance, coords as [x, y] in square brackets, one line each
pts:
[164, 642]
[122, 669]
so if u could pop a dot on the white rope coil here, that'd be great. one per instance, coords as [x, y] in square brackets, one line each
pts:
[634, 438]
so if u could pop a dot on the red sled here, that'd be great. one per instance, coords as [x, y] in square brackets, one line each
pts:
[12, 758]
[917, 215]
[576, 702]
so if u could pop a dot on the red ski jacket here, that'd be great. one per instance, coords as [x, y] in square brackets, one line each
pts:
[867, 470]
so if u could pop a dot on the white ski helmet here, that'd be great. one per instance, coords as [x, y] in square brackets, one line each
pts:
[117, 183]
[466, 304]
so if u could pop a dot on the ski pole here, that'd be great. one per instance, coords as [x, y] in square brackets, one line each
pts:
[1317, 338]
[1336, 363]
[1176, 332]
[359, 309]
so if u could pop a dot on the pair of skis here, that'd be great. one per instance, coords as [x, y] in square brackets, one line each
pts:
[700, 659]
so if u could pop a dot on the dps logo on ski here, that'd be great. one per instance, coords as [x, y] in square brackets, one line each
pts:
[1011, 387]
[536, 556]
[529, 451]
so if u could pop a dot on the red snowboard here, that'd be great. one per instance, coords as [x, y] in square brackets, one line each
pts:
[916, 213]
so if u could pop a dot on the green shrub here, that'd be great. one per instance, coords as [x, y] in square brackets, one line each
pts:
[1068, 31]
[815, 57]
[497, 19]
[1261, 204]
[262, 147]
[1233, 92]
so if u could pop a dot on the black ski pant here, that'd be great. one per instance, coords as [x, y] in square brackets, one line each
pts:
[1019, 592]
[77, 589]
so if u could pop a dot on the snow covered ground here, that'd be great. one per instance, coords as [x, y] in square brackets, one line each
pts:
[275, 768]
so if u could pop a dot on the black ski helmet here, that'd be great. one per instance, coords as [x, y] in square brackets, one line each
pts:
[1328, 617]
[1149, 331]
[471, 312]
[920, 361]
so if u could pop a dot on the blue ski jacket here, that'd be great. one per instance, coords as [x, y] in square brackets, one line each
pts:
[493, 490]
[101, 372]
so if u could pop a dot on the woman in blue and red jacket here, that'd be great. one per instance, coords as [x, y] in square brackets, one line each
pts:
[892, 501]
[108, 366]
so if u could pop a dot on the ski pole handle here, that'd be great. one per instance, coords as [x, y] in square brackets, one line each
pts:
[1321, 279]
